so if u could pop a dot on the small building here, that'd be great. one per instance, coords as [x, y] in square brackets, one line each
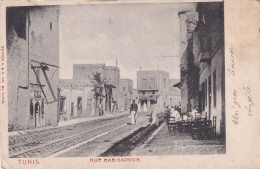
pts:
[110, 74]
[153, 87]
[75, 99]
[126, 89]
[33, 66]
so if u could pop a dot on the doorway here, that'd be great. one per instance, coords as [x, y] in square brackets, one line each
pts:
[79, 106]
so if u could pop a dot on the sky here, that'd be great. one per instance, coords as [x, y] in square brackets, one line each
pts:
[136, 35]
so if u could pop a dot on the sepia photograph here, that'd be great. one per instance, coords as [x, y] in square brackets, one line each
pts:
[116, 80]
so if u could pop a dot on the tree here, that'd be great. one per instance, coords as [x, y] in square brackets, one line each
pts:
[102, 89]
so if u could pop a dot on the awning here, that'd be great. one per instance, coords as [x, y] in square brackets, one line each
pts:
[177, 85]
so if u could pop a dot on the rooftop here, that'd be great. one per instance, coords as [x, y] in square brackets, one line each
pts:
[153, 71]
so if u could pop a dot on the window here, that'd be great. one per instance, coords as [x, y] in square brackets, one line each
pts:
[209, 90]
[42, 108]
[72, 109]
[123, 89]
[164, 82]
[37, 94]
[51, 26]
[152, 83]
[203, 96]
[62, 102]
[206, 92]
[145, 83]
[37, 107]
[214, 89]
[31, 107]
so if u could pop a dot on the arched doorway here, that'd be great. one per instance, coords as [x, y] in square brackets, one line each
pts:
[37, 109]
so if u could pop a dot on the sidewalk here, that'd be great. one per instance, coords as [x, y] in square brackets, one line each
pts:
[163, 143]
[69, 122]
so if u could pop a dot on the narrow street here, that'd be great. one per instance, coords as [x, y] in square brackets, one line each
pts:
[95, 136]
[111, 136]
[161, 142]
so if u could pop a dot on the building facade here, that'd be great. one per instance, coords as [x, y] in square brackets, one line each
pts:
[153, 87]
[203, 61]
[126, 90]
[174, 94]
[77, 96]
[33, 60]
[110, 74]
[75, 99]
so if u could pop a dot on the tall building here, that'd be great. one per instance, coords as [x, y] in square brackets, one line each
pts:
[203, 63]
[33, 60]
[153, 87]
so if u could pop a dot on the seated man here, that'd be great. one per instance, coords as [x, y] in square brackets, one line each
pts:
[185, 117]
[176, 114]
[193, 113]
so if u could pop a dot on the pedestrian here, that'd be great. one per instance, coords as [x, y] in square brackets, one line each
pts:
[139, 107]
[100, 109]
[145, 108]
[133, 111]
[154, 115]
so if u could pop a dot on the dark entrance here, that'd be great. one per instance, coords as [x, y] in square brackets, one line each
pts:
[79, 106]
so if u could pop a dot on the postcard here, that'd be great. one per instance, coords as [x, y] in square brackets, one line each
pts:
[130, 84]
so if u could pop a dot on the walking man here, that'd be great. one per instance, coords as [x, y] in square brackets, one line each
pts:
[133, 111]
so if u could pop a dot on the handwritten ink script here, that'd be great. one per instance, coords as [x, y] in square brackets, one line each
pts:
[237, 94]
[232, 59]
[248, 94]
[236, 106]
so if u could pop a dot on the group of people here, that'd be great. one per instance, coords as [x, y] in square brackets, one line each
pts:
[173, 112]
[190, 116]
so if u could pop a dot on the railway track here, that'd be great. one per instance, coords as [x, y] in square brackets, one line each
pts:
[53, 141]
